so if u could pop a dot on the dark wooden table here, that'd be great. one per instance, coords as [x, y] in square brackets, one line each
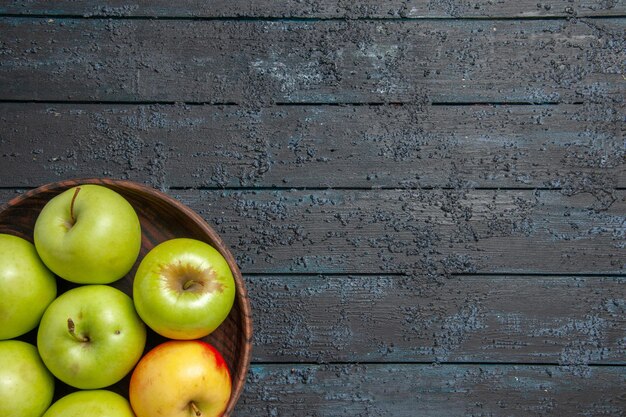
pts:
[427, 198]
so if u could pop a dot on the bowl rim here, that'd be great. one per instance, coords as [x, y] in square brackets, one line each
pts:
[242, 295]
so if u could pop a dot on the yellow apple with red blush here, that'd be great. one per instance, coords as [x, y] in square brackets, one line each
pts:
[181, 378]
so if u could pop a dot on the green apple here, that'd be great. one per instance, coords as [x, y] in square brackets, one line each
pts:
[96, 403]
[27, 287]
[88, 234]
[26, 386]
[181, 378]
[183, 289]
[91, 336]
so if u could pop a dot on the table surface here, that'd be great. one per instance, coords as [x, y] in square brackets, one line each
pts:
[427, 198]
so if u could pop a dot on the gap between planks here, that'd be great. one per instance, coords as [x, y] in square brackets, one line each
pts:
[426, 363]
[304, 19]
[452, 274]
[373, 188]
[288, 104]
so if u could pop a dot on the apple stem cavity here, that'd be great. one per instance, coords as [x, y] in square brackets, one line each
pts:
[73, 219]
[71, 328]
[195, 409]
[191, 283]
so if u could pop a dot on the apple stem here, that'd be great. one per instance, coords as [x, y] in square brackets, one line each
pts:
[195, 409]
[190, 283]
[71, 327]
[72, 205]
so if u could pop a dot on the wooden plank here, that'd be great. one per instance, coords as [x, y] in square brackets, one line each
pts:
[319, 8]
[425, 232]
[315, 146]
[572, 321]
[428, 232]
[259, 62]
[437, 391]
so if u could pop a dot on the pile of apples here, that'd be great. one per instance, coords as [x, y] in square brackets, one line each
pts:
[93, 335]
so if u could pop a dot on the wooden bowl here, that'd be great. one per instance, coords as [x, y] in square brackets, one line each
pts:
[161, 218]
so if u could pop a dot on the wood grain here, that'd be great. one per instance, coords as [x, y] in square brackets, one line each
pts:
[573, 321]
[427, 232]
[440, 391]
[315, 146]
[319, 8]
[260, 62]
[357, 289]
